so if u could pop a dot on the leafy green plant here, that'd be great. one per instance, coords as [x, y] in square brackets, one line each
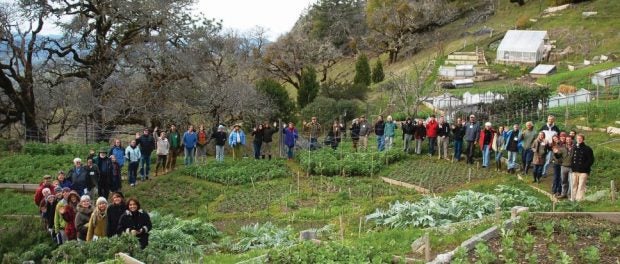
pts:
[590, 254]
[265, 235]
[331, 163]
[327, 252]
[460, 256]
[529, 240]
[605, 237]
[554, 250]
[240, 172]
[564, 258]
[484, 254]
[532, 258]
[572, 239]
[548, 228]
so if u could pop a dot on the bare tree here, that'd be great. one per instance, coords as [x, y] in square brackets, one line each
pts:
[409, 89]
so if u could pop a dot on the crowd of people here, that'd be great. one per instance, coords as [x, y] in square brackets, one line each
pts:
[65, 203]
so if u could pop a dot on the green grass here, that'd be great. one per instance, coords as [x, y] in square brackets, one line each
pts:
[596, 114]
[17, 203]
[580, 78]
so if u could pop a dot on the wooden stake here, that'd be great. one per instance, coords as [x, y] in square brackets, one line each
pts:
[613, 190]
[359, 229]
[427, 248]
[469, 176]
[341, 229]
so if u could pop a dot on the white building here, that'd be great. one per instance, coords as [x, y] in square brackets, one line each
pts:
[445, 100]
[457, 72]
[523, 47]
[580, 96]
[542, 70]
[607, 78]
[487, 98]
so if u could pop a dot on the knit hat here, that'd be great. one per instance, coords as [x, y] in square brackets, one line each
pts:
[66, 189]
[49, 196]
[84, 197]
[488, 124]
[58, 189]
[101, 200]
[47, 176]
[103, 150]
[220, 127]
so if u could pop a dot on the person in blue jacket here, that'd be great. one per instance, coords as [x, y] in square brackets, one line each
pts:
[190, 139]
[236, 140]
[290, 137]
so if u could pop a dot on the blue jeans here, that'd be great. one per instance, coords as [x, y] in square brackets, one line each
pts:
[432, 142]
[380, 142]
[526, 157]
[257, 146]
[145, 166]
[547, 162]
[458, 149]
[132, 171]
[189, 156]
[219, 153]
[289, 151]
[486, 155]
[537, 172]
[512, 159]
[557, 179]
[313, 143]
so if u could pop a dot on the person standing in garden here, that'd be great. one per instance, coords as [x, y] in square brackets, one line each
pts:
[237, 140]
[59, 222]
[364, 133]
[98, 222]
[408, 130]
[189, 141]
[163, 149]
[62, 180]
[313, 130]
[174, 139]
[290, 137]
[258, 133]
[583, 158]
[93, 175]
[268, 132]
[68, 213]
[118, 151]
[512, 146]
[472, 135]
[355, 133]
[419, 135]
[136, 222]
[527, 137]
[114, 213]
[539, 150]
[335, 135]
[45, 184]
[220, 140]
[458, 132]
[105, 173]
[146, 142]
[550, 129]
[443, 138]
[132, 155]
[498, 146]
[485, 141]
[201, 145]
[431, 133]
[390, 132]
[564, 155]
[380, 132]
[116, 175]
[556, 187]
[80, 178]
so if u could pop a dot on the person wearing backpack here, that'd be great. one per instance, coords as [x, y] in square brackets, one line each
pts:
[201, 145]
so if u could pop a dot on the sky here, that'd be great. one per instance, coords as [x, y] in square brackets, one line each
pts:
[277, 16]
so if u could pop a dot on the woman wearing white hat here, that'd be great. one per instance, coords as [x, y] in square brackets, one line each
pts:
[98, 220]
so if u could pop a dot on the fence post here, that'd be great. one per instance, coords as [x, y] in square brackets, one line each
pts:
[613, 191]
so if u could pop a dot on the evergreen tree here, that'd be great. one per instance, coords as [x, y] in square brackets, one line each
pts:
[362, 71]
[308, 88]
[279, 96]
[377, 72]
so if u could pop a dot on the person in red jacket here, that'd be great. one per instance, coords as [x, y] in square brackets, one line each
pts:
[431, 133]
[486, 139]
[46, 183]
[68, 214]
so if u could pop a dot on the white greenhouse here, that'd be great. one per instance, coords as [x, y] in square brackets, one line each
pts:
[523, 47]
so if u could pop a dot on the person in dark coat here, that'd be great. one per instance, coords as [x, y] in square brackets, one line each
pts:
[135, 221]
[146, 142]
[408, 128]
[419, 135]
[220, 138]
[380, 132]
[116, 183]
[290, 137]
[268, 132]
[84, 210]
[258, 134]
[355, 133]
[458, 132]
[79, 177]
[583, 158]
[114, 212]
[68, 213]
[106, 172]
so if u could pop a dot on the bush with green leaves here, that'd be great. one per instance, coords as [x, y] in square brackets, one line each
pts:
[438, 211]
[327, 252]
[240, 172]
[331, 163]
[265, 235]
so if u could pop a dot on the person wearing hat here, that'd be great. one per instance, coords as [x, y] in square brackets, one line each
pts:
[98, 223]
[45, 184]
[146, 142]
[220, 140]
[237, 140]
[114, 213]
[84, 211]
[59, 222]
[190, 139]
[106, 171]
[486, 139]
[62, 180]
[68, 213]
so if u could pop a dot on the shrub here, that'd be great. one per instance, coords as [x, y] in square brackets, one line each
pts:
[266, 235]
[523, 22]
[329, 252]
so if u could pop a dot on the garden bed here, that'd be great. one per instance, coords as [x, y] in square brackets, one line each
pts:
[328, 162]
[240, 172]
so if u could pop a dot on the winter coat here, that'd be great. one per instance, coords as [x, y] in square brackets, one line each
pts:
[258, 135]
[290, 136]
[93, 174]
[81, 221]
[138, 221]
[408, 128]
[97, 225]
[268, 134]
[81, 180]
[65, 183]
[512, 141]
[458, 132]
[364, 129]
[38, 194]
[119, 153]
[163, 146]
[380, 128]
[420, 132]
[527, 137]
[443, 129]
[499, 142]
[232, 138]
[190, 139]
[146, 144]
[69, 217]
[175, 139]
[133, 154]
[355, 131]
[583, 158]
[472, 131]
[114, 213]
[50, 213]
[483, 138]
[313, 130]
[202, 138]
[219, 137]
[390, 129]
[540, 149]
[106, 171]
[552, 127]
[116, 177]
[59, 221]
[431, 129]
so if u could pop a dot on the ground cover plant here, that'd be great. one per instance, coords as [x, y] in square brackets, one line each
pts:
[328, 252]
[331, 163]
[239, 172]
[465, 205]
[550, 239]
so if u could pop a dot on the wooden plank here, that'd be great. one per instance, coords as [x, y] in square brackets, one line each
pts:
[128, 259]
[613, 217]
[23, 187]
[406, 185]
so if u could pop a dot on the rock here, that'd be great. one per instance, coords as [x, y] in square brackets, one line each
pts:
[307, 235]
[571, 67]
[517, 210]
[533, 20]
[589, 14]
[604, 58]
[586, 62]
[417, 246]
[596, 58]
[613, 130]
